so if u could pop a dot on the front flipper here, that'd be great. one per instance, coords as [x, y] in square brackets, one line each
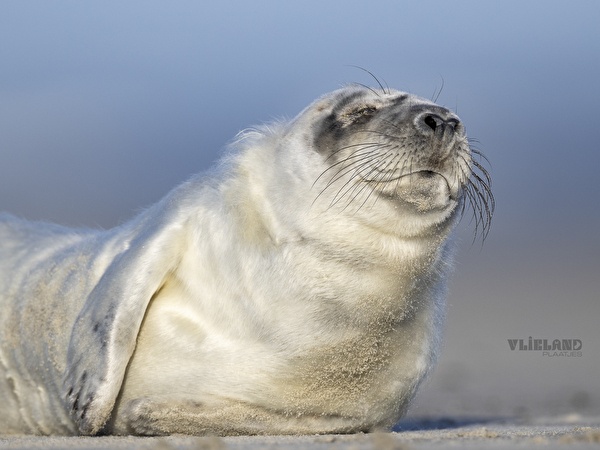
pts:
[104, 335]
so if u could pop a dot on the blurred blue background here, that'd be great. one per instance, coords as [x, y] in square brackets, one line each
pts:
[105, 106]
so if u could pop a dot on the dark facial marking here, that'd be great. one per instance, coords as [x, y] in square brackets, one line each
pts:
[332, 127]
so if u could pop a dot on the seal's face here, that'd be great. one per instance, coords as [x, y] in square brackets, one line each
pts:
[393, 147]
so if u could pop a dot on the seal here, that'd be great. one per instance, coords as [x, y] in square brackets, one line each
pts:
[296, 288]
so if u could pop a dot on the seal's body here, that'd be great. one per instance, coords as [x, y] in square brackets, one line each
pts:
[298, 288]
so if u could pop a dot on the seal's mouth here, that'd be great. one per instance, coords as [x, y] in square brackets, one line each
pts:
[426, 190]
[431, 174]
[421, 179]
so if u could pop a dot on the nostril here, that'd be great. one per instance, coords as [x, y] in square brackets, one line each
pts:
[430, 122]
[439, 124]
[453, 123]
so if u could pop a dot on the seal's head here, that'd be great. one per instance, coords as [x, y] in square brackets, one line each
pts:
[382, 150]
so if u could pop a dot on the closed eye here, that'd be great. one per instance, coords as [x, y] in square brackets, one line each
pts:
[364, 111]
[359, 113]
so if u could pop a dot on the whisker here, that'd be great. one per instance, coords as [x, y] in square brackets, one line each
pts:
[348, 186]
[481, 155]
[362, 144]
[357, 157]
[374, 77]
[476, 216]
[387, 179]
[435, 97]
[355, 154]
[481, 202]
[369, 88]
[378, 133]
[356, 191]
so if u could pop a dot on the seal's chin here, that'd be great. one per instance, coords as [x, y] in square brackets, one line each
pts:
[424, 190]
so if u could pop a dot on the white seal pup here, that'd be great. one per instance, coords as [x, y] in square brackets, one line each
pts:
[298, 288]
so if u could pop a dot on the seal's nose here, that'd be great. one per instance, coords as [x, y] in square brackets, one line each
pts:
[439, 125]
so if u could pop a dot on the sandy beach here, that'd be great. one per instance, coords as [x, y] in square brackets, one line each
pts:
[572, 431]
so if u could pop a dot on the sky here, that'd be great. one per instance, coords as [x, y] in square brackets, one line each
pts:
[106, 106]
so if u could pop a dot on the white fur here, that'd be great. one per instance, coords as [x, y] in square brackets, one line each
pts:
[237, 304]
